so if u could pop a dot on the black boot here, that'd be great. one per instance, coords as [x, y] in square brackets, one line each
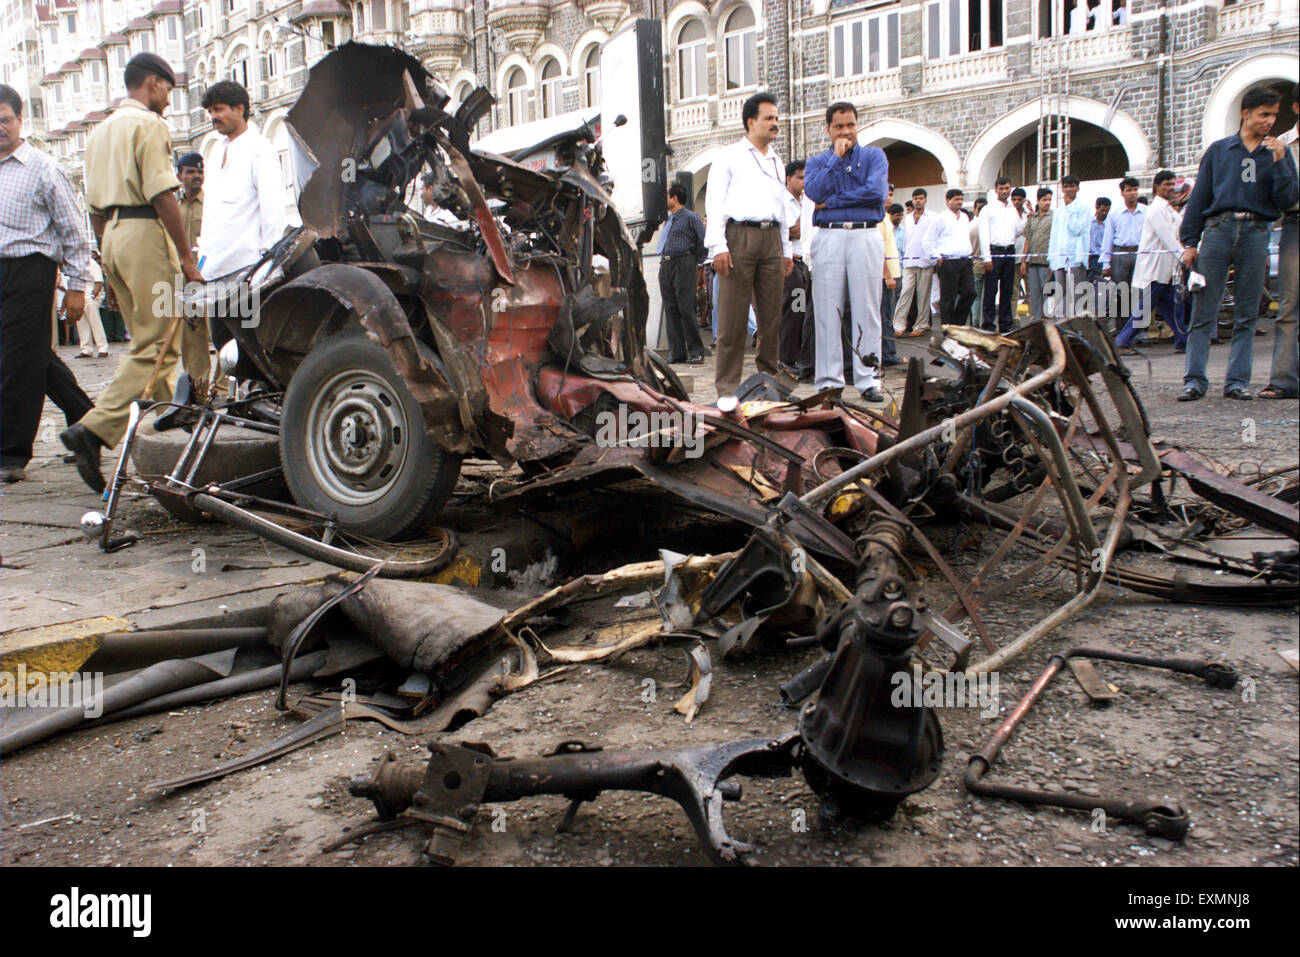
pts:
[85, 445]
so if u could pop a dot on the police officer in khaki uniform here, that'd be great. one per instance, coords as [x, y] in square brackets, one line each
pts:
[194, 337]
[130, 194]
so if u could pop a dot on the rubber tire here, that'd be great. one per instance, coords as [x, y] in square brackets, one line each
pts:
[428, 474]
[234, 453]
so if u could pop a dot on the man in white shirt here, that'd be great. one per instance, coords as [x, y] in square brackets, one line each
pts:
[949, 243]
[90, 324]
[918, 268]
[243, 213]
[797, 334]
[1019, 200]
[749, 241]
[432, 211]
[1157, 268]
[1000, 225]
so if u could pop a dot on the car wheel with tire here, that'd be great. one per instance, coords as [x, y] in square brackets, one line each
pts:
[353, 443]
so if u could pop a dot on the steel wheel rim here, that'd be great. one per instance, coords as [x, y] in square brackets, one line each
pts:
[356, 437]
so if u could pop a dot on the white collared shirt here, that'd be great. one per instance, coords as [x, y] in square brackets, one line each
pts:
[794, 209]
[243, 208]
[999, 225]
[915, 235]
[745, 184]
[950, 238]
[1159, 245]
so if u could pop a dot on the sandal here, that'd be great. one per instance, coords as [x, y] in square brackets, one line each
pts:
[1273, 392]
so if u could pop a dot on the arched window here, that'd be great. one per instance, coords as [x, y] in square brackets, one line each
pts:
[591, 76]
[516, 93]
[550, 85]
[692, 61]
[359, 12]
[239, 69]
[462, 91]
[740, 44]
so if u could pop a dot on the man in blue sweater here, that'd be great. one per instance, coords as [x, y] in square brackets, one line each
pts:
[848, 183]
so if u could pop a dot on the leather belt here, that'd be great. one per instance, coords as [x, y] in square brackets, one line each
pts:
[1125, 249]
[755, 223]
[132, 212]
[1242, 215]
[848, 226]
[995, 246]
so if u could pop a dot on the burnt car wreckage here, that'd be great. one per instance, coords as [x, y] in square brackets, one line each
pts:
[387, 349]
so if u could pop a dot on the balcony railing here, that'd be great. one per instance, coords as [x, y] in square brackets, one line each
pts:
[689, 117]
[729, 111]
[856, 87]
[1089, 49]
[280, 85]
[968, 70]
[1239, 18]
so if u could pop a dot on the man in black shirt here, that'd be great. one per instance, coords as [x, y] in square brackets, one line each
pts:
[1244, 183]
[681, 250]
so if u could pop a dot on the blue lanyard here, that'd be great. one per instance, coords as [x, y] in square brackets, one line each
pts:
[763, 169]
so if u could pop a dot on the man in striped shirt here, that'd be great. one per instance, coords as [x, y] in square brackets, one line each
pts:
[41, 228]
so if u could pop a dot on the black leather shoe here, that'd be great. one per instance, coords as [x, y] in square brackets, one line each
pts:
[1190, 395]
[695, 361]
[873, 395]
[1241, 395]
[85, 445]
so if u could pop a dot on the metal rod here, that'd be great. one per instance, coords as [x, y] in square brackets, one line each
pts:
[995, 405]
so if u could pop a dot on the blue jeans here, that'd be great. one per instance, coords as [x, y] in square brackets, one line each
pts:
[1243, 245]
[1285, 375]
[1162, 298]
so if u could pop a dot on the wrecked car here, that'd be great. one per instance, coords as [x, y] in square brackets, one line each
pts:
[401, 345]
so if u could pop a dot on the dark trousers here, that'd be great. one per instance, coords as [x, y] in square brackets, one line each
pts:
[757, 275]
[1163, 300]
[997, 289]
[677, 276]
[888, 303]
[29, 368]
[956, 290]
[798, 332]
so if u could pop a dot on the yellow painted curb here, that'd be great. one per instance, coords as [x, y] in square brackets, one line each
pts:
[62, 647]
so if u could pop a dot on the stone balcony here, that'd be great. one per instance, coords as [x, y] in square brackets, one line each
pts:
[1239, 18]
[856, 88]
[522, 22]
[972, 70]
[1088, 50]
[691, 117]
[606, 13]
[440, 36]
[729, 108]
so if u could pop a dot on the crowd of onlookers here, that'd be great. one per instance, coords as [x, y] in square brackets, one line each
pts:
[857, 270]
